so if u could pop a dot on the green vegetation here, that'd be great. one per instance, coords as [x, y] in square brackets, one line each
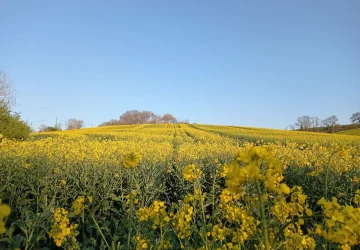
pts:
[11, 125]
[350, 132]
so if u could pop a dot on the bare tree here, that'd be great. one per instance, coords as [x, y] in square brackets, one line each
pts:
[304, 122]
[331, 122]
[186, 121]
[168, 118]
[140, 117]
[110, 123]
[7, 91]
[74, 124]
[355, 118]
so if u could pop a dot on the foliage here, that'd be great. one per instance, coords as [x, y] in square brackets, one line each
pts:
[351, 132]
[44, 128]
[11, 125]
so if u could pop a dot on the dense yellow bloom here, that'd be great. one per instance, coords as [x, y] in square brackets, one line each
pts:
[342, 223]
[249, 166]
[131, 160]
[182, 221]
[191, 173]
[155, 213]
[62, 231]
[232, 215]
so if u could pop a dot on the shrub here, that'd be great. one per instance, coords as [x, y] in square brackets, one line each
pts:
[11, 125]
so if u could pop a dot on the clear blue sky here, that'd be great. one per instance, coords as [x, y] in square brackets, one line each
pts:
[253, 63]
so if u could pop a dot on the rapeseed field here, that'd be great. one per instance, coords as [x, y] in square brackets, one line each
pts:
[180, 186]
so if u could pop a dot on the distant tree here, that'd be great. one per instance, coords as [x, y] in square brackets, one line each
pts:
[74, 124]
[110, 123]
[293, 127]
[331, 122]
[317, 122]
[140, 117]
[186, 121]
[45, 128]
[11, 125]
[304, 122]
[7, 91]
[130, 117]
[168, 118]
[355, 118]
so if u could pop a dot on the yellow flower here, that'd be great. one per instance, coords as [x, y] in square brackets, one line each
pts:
[4, 212]
[90, 198]
[191, 173]
[78, 205]
[284, 188]
[131, 160]
[62, 230]
[63, 182]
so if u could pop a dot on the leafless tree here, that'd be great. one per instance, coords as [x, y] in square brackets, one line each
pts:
[355, 118]
[140, 117]
[110, 123]
[304, 122]
[7, 91]
[331, 122]
[186, 121]
[168, 118]
[74, 124]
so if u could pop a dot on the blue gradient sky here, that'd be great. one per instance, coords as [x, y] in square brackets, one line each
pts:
[252, 63]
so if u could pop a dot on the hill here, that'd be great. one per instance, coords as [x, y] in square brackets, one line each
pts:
[355, 131]
[336, 129]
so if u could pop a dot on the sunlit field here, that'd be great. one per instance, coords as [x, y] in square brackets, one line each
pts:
[173, 186]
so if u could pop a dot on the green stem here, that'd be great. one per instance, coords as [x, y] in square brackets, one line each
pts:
[97, 226]
[161, 238]
[131, 210]
[203, 217]
[263, 219]
[213, 193]
[327, 174]
[291, 222]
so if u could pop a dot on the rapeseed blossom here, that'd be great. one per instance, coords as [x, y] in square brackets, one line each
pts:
[191, 173]
[62, 230]
[4, 212]
[131, 160]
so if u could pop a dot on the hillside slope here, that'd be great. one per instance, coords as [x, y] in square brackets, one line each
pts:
[350, 132]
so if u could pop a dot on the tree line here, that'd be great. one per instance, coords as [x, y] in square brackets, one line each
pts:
[309, 123]
[69, 125]
[142, 117]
